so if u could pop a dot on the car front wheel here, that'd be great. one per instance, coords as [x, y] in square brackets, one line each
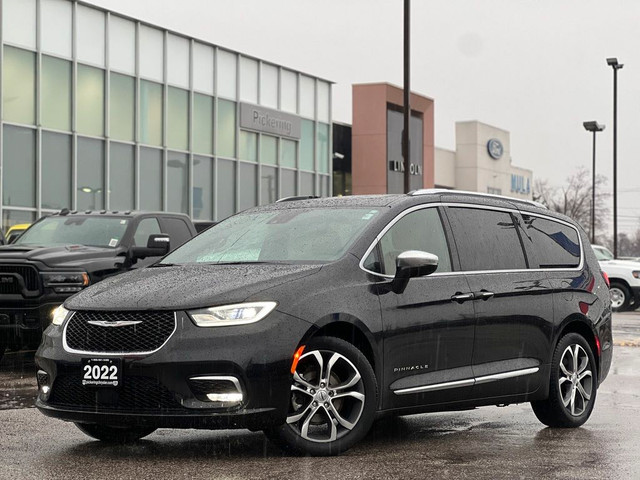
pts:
[573, 387]
[111, 434]
[333, 400]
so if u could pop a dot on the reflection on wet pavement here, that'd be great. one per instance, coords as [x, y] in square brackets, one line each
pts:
[18, 385]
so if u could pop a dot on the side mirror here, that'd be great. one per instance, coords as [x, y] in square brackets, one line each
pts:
[158, 245]
[410, 264]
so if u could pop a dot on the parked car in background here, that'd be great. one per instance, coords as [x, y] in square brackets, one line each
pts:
[15, 231]
[624, 276]
[61, 254]
[308, 319]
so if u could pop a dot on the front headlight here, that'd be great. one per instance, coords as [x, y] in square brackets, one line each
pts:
[65, 282]
[59, 315]
[227, 315]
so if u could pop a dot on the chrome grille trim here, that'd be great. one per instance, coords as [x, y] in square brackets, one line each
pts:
[114, 354]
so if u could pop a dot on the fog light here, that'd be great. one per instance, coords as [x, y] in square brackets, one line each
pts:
[43, 384]
[222, 390]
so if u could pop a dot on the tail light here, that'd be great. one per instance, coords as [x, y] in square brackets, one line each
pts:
[606, 279]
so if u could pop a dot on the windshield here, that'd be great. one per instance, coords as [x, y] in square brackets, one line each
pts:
[75, 230]
[283, 236]
[602, 253]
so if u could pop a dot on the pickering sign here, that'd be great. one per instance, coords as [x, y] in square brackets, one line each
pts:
[266, 120]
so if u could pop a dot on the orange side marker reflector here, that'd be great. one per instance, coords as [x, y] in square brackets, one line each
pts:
[296, 358]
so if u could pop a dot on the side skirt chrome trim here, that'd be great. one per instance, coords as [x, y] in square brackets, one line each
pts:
[467, 382]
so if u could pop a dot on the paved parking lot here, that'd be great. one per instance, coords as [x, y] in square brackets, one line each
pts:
[488, 442]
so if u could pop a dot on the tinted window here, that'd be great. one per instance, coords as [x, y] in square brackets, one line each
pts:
[486, 239]
[146, 227]
[554, 244]
[420, 230]
[177, 229]
[76, 230]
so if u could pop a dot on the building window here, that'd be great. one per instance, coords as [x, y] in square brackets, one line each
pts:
[150, 183]
[177, 182]
[306, 145]
[324, 103]
[19, 167]
[19, 22]
[269, 86]
[56, 170]
[288, 153]
[19, 86]
[203, 68]
[248, 146]
[122, 177]
[269, 185]
[150, 113]
[15, 217]
[55, 93]
[494, 191]
[324, 186]
[323, 147]
[90, 101]
[90, 174]
[306, 184]
[288, 185]
[226, 74]
[178, 119]
[202, 123]
[90, 35]
[226, 129]
[151, 53]
[202, 188]
[248, 80]
[122, 45]
[307, 97]
[248, 193]
[226, 188]
[122, 115]
[178, 61]
[289, 91]
[55, 27]
[268, 150]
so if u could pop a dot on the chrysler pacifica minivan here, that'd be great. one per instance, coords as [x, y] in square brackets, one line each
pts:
[308, 319]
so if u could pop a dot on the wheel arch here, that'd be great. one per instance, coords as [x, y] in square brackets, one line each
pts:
[351, 330]
[583, 327]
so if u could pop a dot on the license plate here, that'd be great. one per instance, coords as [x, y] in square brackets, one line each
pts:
[101, 372]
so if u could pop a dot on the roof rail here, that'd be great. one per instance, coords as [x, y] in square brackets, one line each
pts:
[295, 198]
[432, 191]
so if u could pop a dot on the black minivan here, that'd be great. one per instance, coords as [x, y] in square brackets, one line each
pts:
[308, 319]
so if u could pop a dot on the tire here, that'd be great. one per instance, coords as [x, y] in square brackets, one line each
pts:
[558, 410]
[620, 297]
[334, 397]
[108, 434]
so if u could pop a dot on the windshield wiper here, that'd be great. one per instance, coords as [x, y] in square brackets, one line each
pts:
[245, 263]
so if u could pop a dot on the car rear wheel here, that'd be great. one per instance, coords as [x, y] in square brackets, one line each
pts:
[109, 434]
[620, 297]
[333, 400]
[573, 387]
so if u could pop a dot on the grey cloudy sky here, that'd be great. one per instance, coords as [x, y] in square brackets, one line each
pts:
[534, 67]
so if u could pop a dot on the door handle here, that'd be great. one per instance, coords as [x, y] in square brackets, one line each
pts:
[483, 295]
[462, 297]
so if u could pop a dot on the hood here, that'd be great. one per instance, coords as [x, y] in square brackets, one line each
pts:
[70, 256]
[183, 287]
[620, 263]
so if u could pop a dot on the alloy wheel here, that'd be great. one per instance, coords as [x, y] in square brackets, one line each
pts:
[575, 380]
[327, 396]
[617, 298]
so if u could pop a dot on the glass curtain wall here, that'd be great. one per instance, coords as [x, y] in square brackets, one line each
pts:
[137, 117]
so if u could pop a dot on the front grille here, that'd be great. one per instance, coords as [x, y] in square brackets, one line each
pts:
[147, 332]
[29, 275]
[137, 395]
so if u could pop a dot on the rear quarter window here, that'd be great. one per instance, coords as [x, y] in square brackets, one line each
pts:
[554, 244]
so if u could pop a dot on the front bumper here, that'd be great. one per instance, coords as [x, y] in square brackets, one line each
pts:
[156, 389]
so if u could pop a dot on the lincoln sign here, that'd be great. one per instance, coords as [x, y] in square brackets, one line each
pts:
[266, 120]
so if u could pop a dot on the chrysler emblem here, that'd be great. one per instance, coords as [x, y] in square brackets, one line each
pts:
[118, 323]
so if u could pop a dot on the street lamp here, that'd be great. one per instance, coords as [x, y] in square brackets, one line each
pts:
[593, 127]
[613, 63]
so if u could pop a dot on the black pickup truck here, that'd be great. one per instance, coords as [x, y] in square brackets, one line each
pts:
[63, 253]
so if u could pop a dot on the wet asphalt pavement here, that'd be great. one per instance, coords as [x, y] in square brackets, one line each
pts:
[489, 442]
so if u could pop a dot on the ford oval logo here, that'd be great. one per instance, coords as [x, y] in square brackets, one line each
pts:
[495, 148]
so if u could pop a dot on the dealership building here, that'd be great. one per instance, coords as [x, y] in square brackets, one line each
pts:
[100, 111]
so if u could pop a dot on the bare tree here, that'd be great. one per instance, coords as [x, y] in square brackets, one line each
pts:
[574, 199]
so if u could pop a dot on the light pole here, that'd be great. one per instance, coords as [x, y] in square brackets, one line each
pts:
[613, 63]
[594, 127]
[407, 92]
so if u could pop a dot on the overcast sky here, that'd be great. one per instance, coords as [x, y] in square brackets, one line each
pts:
[534, 67]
